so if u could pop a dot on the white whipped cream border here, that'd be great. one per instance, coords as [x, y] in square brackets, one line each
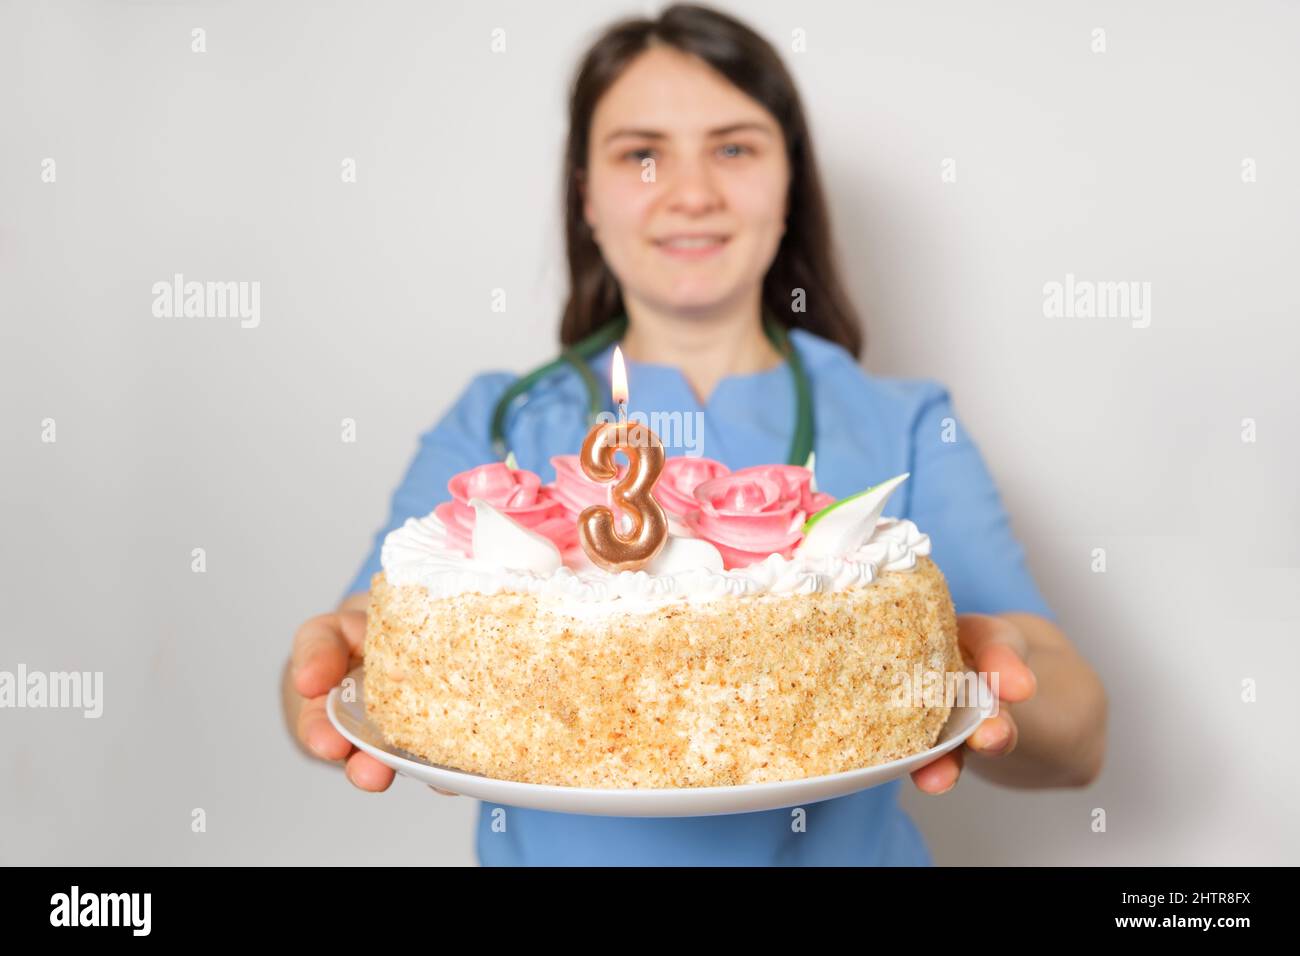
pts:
[418, 554]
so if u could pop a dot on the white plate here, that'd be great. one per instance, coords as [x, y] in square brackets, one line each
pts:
[350, 719]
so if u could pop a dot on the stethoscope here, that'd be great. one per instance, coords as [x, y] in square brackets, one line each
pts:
[576, 356]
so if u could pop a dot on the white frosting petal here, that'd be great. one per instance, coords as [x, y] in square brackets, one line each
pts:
[849, 523]
[677, 528]
[682, 554]
[504, 542]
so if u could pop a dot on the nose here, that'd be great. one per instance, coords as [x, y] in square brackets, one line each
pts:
[691, 189]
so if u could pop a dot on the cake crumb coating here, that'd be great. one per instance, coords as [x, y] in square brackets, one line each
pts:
[733, 691]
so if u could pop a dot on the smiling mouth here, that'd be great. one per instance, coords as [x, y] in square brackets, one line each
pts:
[692, 245]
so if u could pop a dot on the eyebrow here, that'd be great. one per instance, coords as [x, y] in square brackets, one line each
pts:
[719, 131]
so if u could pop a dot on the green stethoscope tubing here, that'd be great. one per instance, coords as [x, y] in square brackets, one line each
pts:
[576, 357]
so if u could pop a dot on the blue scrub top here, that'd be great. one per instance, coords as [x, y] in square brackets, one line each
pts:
[868, 428]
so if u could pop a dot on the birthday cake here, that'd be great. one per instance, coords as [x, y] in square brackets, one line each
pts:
[766, 638]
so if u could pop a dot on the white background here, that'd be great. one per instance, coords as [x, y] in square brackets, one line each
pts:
[182, 433]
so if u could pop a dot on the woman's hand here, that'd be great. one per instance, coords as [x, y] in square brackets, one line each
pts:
[324, 650]
[990, 645]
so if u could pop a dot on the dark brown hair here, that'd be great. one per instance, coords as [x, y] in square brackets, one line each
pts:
[804, 259]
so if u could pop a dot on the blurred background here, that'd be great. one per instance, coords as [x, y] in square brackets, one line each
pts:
[972, 154]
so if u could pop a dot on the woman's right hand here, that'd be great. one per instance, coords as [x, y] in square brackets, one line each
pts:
[325, 648]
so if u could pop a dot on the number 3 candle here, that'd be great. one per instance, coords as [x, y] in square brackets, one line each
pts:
[597, 525]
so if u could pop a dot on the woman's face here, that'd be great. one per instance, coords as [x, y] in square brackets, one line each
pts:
[694, 229]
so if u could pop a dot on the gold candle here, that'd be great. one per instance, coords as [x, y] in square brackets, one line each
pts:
[597, 527]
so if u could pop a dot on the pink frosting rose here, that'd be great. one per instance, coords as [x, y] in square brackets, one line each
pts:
[516, 492]
[755, 512]
[573, 489]
[576, 492]
[675, 487]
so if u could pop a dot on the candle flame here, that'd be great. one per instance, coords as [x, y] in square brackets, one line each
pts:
[618, 378]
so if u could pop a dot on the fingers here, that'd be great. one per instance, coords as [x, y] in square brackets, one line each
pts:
[367, 773]
[317, 734]
[940, 775]
[995, 736]
[321, 654]
[353, 626]
[323, 650]
[996, 646]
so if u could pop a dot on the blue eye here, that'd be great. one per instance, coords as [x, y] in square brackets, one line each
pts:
[736, 146]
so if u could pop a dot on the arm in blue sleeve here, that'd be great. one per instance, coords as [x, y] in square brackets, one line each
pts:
[955, 502]
[459, 441]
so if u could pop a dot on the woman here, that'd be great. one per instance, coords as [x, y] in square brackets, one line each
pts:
[694, 208]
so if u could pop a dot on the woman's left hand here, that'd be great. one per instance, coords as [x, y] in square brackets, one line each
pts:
[991, 645]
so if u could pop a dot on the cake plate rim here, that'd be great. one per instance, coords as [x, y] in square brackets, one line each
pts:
[349, 719]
